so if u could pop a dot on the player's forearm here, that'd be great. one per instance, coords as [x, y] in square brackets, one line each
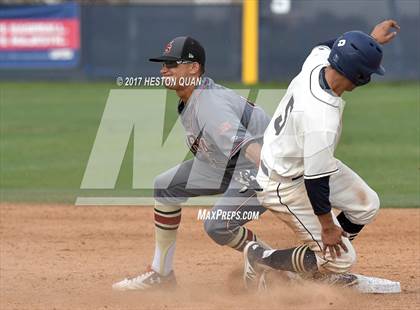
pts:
[253, 153]
[328, 43]
[381, 33]
[326, 221]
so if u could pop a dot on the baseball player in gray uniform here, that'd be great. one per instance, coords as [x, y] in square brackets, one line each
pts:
[224, 131]
[301, 179]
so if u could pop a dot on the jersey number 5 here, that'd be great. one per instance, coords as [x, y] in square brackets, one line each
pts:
[281, 121]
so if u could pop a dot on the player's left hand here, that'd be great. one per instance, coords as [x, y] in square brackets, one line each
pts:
[331, 238]
[382, 32]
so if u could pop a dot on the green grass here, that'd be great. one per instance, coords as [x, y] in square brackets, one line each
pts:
[48, 130]
[380, 140]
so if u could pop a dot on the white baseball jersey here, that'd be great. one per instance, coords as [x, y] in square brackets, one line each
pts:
[301, 140]
[305, 129]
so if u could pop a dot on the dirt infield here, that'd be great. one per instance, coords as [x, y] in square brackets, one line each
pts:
[67, 257]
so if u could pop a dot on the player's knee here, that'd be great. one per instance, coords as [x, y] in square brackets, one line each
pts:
[349, 259]
[164, 193]
[341, 264]
[374, 205]
[371, 208]
[346, 262]
[159, 190]
[218, 231]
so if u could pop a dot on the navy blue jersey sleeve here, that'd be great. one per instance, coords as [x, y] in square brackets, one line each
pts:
[328, 43]
[319, 194]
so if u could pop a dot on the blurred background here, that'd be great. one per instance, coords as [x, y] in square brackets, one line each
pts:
[110, 38]
[59, 61]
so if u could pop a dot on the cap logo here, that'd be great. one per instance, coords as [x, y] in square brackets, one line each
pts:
[168, 47]
[190, 55]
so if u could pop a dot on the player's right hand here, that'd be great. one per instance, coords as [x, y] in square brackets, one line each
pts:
[331, 238]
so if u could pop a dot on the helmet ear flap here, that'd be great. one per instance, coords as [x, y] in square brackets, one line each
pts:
[362, 79]
[334, 60]
[338, 63]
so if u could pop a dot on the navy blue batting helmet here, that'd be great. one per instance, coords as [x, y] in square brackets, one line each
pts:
[356, 55]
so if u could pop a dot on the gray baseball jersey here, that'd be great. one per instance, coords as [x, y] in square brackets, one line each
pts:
[219, 123]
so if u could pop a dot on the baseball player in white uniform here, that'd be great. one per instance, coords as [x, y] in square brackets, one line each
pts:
[300, 178]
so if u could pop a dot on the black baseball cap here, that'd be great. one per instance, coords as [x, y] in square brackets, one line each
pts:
[183, 48]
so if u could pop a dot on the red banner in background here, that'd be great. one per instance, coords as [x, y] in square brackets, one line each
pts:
[24, 34]
[40, 36]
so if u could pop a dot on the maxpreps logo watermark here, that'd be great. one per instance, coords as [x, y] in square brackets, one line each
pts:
[224, 215]
[139, 137]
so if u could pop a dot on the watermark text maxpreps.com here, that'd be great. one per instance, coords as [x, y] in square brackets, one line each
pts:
[204, 214]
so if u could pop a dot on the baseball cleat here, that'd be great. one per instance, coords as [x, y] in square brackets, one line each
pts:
[337, 279]
[254, 273]
[148, 280]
